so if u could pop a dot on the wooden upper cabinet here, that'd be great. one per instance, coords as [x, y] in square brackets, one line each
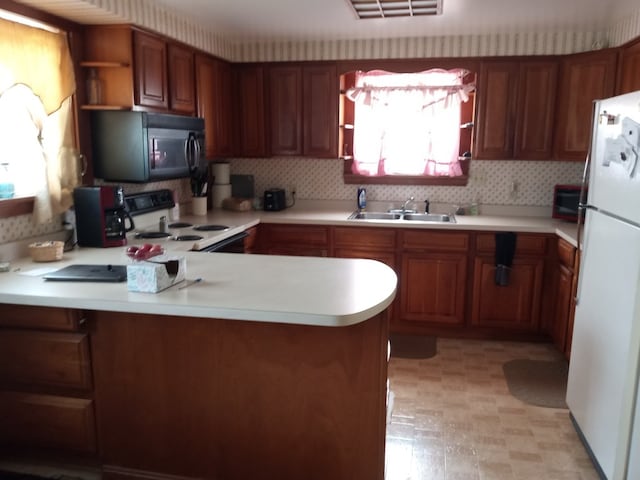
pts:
[584, 77]
[182, 92]
[535, 110]
[516, 101]
[250, 139]
[320, 109]
[285, 108]
[303, 104]
[497, 90]
[151, 89]
[213, 88]
[629, 68]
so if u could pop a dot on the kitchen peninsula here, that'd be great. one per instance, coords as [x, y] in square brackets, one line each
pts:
[270, 367]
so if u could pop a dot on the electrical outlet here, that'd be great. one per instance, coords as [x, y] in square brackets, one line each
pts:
[292, 189]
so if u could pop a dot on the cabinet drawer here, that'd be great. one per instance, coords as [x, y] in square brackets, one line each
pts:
[566, 253]
[301, 235]
[47, 421]
[384, 238]
[26, 316]
[435, 241]
[45, 359]
[525, 244]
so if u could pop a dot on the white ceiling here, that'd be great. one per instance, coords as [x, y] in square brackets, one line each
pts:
[335, 19]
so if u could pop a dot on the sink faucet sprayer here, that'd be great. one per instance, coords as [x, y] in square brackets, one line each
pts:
[426, 206]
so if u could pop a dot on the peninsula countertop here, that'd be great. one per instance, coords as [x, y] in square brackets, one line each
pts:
[269, 288]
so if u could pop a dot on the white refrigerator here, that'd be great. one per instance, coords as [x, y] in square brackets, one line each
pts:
[602, 390]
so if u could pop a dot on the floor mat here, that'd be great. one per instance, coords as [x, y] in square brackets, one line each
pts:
[537, 382]
[412, 346]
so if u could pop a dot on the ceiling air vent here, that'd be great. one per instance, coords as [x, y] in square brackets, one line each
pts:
[396, 8]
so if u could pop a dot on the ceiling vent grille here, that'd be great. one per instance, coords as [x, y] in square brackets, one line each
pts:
[396, 8]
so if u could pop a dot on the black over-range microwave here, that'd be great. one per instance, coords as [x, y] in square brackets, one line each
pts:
[143, 146]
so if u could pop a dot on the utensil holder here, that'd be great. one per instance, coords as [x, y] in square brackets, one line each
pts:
[199, 205]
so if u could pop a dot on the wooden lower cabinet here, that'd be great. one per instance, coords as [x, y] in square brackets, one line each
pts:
[563, 306]
[184, 397]
[372, 243]
[46, 384]
[432, 279]
[566, 286]
[295, 240]
[433, 288]
[512, 307]
[55, 423]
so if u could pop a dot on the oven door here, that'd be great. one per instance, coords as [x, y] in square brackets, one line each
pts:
[233, 244]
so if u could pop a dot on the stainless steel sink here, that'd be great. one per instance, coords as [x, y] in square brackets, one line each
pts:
[374, 216]
[401, 211]
[412, 217]
[429, 217]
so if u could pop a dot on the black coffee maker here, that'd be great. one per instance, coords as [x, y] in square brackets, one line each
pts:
[101, 216]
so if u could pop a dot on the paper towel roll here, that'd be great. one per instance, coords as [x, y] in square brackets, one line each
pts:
[219, 193]
[222, 173]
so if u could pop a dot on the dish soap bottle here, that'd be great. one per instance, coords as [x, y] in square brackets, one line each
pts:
[7, 188]
[362, 199]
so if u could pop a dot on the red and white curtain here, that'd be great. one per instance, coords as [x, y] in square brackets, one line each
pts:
[408, 124]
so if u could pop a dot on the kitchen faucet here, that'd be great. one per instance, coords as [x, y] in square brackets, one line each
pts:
[406, 202]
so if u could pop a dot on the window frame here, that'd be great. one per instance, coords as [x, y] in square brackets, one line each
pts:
[398, 66]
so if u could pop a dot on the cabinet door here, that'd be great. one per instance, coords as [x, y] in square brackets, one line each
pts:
[181, 82]
[563, 305]
[285, 107]
[512, 307]
[432, 287]
[150, 71]
[572, 308]
[213, 88]
[629, 71]
[250, 121]
[584, 77]
[496, 99]
[320, 100]
[535, 110]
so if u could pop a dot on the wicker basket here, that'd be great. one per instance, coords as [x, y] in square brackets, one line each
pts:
[46, 251]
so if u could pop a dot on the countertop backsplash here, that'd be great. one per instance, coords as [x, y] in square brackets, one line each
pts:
[491, 182]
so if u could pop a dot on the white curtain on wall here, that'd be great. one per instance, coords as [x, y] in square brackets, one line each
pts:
[36, 121]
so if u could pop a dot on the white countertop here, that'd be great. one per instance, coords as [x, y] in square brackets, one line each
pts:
[301, 290]
[270, 288]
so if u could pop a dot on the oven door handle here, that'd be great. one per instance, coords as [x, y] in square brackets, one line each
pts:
[216, 247]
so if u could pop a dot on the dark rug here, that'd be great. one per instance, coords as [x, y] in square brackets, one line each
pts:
[412, 346]
[538, 382]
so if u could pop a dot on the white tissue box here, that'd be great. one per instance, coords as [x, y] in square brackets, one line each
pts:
[156, 274]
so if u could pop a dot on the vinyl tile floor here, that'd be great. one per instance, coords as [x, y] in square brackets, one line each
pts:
[454, 419]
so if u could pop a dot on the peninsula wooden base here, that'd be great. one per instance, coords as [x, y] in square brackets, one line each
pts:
[180, 397]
